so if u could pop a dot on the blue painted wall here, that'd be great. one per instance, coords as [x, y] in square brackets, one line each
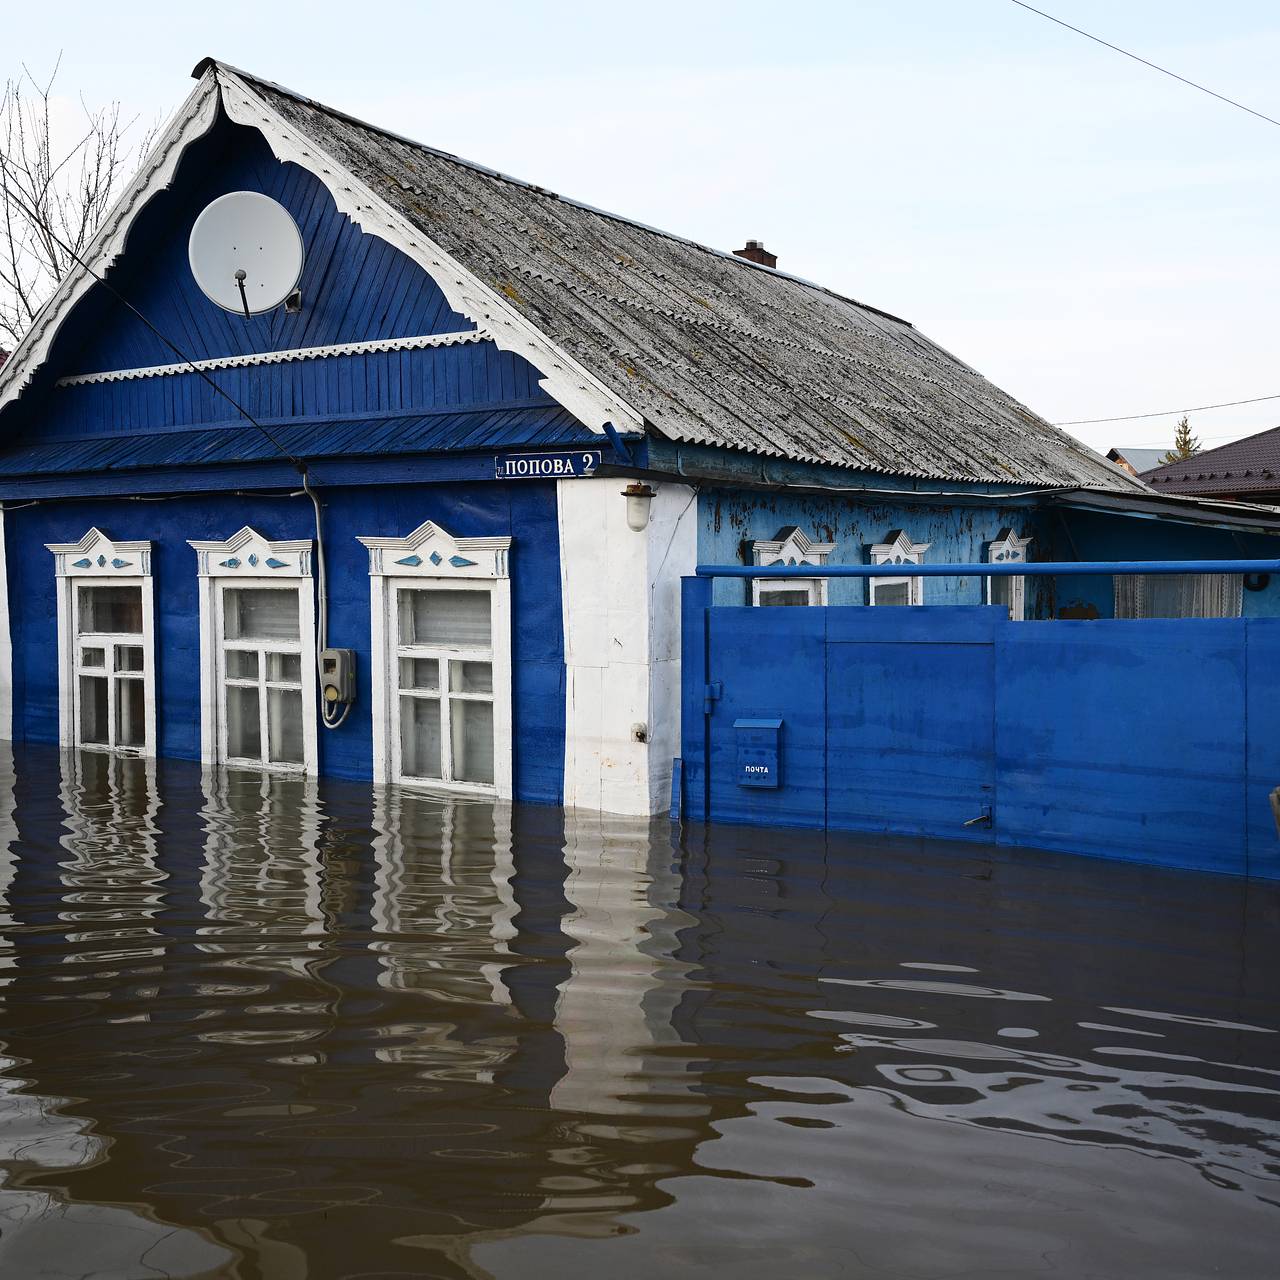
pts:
[526, 513]
[728, 518]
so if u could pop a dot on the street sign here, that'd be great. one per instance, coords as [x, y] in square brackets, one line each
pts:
[546, 466]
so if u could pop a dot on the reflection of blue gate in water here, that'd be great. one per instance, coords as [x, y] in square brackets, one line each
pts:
[1153, 740]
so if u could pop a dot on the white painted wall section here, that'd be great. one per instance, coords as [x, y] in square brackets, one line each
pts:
[620, 593]
[6, 646]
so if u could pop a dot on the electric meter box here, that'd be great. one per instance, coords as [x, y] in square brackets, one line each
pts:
[759, 757]
[338, 675]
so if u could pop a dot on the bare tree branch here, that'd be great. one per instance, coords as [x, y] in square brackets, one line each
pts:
[52, 196]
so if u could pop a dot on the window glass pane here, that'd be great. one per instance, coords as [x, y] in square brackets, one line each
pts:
[420, 737]
[285, 666]
[92, 657]
[130, 713]
[784, 597]
[420, 673]
[472, 728]
[892, 593]
[242, 664]
[470, 677]
[244, 735]
[93, 709]
[116, 610]
[284, 725]
[128, 657]
[260, 614]
[456, 618]
[1002, 592]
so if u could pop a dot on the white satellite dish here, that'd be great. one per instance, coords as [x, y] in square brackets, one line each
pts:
[246, 252]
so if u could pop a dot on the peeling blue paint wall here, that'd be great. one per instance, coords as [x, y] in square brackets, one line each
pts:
[526, 513]
[728, 518]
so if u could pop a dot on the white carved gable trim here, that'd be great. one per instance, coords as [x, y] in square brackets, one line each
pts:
[96, 555]
[192, 121]
[790, 547]
[432, 552]
[563, 378]
[419, 343]
[1007, 546]
[898, 549]
[248, 554]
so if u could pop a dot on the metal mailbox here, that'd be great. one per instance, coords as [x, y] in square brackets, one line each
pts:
[759, 758]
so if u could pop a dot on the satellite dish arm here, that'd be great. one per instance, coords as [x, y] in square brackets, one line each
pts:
[241, 276]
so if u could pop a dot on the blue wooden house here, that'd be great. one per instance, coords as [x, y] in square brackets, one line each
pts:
[478, 448]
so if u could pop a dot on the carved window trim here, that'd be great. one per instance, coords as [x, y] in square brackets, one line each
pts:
[897, 548]
[431, 558]
[97, 560]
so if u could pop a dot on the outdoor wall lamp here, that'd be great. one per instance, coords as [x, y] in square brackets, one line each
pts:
[638, 496]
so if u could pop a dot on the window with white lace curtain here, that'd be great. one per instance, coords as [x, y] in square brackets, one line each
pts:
[1177, 595]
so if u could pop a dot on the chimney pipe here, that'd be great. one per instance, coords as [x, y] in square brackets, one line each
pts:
[754, 251]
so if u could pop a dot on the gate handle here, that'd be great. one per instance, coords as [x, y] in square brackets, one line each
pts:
[982, 820]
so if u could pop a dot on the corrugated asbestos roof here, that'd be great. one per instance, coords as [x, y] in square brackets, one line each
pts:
[708, 347]
[1251, 465]
[232, 443]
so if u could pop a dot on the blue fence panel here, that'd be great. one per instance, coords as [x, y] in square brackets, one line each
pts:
[1124, 739]
[910, 720]
[774, 664]
[1150, 740]
[1262, 743]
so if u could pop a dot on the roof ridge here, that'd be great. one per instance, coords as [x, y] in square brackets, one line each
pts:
[1208, 454]
[203, 65]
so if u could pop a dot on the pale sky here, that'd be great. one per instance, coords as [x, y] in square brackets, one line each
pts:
[1094, 237]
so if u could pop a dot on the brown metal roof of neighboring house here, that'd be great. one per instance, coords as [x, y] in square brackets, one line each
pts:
[1251, 465]
[710, 348]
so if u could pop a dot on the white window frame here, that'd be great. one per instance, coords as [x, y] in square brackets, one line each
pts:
[1008, 547]
[898, 549]
[98, 561]
[428, 559]
[249, 561]
[791, 547]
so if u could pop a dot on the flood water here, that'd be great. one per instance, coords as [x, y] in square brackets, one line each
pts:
[283, 1029]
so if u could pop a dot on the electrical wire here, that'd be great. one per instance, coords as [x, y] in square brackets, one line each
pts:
[1164, 71]
[1165, 413]
[301, 466]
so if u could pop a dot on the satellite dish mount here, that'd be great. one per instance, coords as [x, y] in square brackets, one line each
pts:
[246, 254]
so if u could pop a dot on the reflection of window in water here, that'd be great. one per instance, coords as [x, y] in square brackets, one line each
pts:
[111, 840]
[442, 894]
[261, 882]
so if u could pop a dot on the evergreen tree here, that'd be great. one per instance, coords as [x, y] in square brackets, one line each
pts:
[1185, 445]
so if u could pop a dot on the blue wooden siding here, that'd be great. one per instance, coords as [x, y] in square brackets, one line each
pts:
[355, 288]
[526, 512]
[958, 535]
[729, 517]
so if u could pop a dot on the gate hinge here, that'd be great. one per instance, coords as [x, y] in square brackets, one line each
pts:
[712, 692]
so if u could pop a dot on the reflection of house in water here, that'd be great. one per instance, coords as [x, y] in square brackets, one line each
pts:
[347, 1045]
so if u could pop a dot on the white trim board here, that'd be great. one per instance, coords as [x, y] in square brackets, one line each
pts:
[276, 357]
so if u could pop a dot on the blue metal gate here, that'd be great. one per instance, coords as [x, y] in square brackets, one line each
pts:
[1152, 740]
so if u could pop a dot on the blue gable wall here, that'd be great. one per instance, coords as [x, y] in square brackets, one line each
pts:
[527, 513]
[355, 288]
